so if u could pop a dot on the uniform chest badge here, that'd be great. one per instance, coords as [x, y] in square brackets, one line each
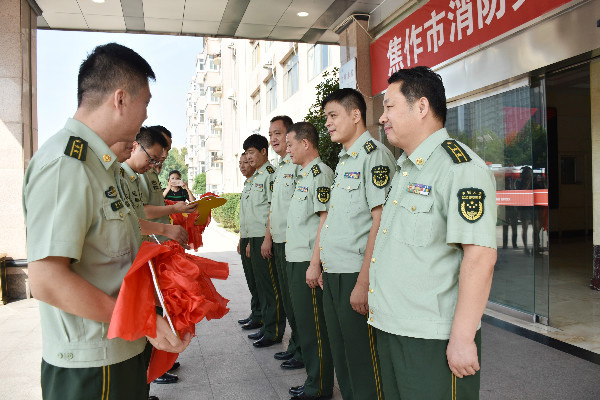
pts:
[323, 194]
[381, 175]
[116, 205]
[288, 176]
[259, 185]
[470, 204]
[418, 188]
[302, 189]
[111, 192]
[352, 175]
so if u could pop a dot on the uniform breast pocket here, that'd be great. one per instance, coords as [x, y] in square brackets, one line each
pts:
[414, 220]
[301, 203]
[115, 228]
[356, 201]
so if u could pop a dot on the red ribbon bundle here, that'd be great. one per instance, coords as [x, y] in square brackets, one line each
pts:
[189, 295]
[189, 223]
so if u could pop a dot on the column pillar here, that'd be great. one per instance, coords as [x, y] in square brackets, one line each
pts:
[18, 119]
[354, 43]
[595, 124]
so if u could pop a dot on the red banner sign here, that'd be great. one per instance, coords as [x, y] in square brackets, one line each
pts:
[522, 198]
[442, 29]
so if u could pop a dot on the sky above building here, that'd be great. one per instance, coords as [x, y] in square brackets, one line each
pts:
[59, 54]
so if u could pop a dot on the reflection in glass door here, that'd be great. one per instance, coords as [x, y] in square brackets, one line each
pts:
[508, 131]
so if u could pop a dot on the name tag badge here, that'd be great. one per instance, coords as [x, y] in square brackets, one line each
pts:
[352, 175]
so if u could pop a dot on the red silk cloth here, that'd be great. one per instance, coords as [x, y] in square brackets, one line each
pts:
[189, 223]
[189, 296]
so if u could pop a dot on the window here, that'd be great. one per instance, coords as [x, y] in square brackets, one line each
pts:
[215, 94]
[200, 65]
[215, 159]
[211, 62]
[271, 94]
[256, 55]
[215, 127]
[291, 76]
[256, 107]
[201, 116]
[318, 60]
[201, 89]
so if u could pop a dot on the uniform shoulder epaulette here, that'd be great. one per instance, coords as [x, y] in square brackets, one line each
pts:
[455, 151]
[76, 148]
[315, 170]
[270, 169]
[370, 146]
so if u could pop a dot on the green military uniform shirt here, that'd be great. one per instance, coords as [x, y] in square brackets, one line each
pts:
[310, 197]
[283, 188]
[152, 193]
[256, 210]
[129, 183]
[73, 210]
[361, 183]
[243, 205]
[442, 196]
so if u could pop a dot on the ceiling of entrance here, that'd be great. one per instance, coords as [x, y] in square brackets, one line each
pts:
[251, 19]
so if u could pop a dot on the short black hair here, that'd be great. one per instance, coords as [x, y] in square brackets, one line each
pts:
[306, 130]
[174, 172]
[257, 141]
[148, 137]
[420, 82]
[109, 67]
[349, 99]
[162, 129]
[287, 121]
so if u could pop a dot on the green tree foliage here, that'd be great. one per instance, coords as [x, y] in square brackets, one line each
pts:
[228, 215]
[199, 184]
[327, 149]
[175, 160]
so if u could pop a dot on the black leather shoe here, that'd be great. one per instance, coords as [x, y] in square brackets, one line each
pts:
[304, 396]
[152, 398]
[296, 390]
[175, 366]
[256, 335]
[292, 363]
[264, 342]
[252, 325]
[283, 355]
[166, 378]
[245, 320]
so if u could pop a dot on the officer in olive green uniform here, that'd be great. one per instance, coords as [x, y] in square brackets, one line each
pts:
[283, 187]
[152, 195]
[362, 178]
[255, 315]
[130, 182]
[307, 209]
[256, 214]
[101, 236]
[441, 209]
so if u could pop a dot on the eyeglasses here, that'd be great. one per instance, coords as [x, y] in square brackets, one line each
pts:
[152, 160]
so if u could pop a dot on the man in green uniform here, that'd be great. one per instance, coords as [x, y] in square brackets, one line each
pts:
[274, 244]
[82, 238]
[255, 224]
[307, 213]
[434, 256]
[254, 320]
[154, 202]
[361, 183]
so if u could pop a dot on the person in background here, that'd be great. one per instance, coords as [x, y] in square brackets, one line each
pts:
[177, 189]
[254, 319]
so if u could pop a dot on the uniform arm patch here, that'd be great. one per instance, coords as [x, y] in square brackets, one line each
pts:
[370, 146]
[323, 194]
[470, 204]
[270, 169]
[455, 151]
[380, 176]
[76, 148]
[315, 170]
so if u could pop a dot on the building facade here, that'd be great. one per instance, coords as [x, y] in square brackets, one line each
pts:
[250, 83]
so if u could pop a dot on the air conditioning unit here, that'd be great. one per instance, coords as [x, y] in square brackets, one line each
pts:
[268, 65]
